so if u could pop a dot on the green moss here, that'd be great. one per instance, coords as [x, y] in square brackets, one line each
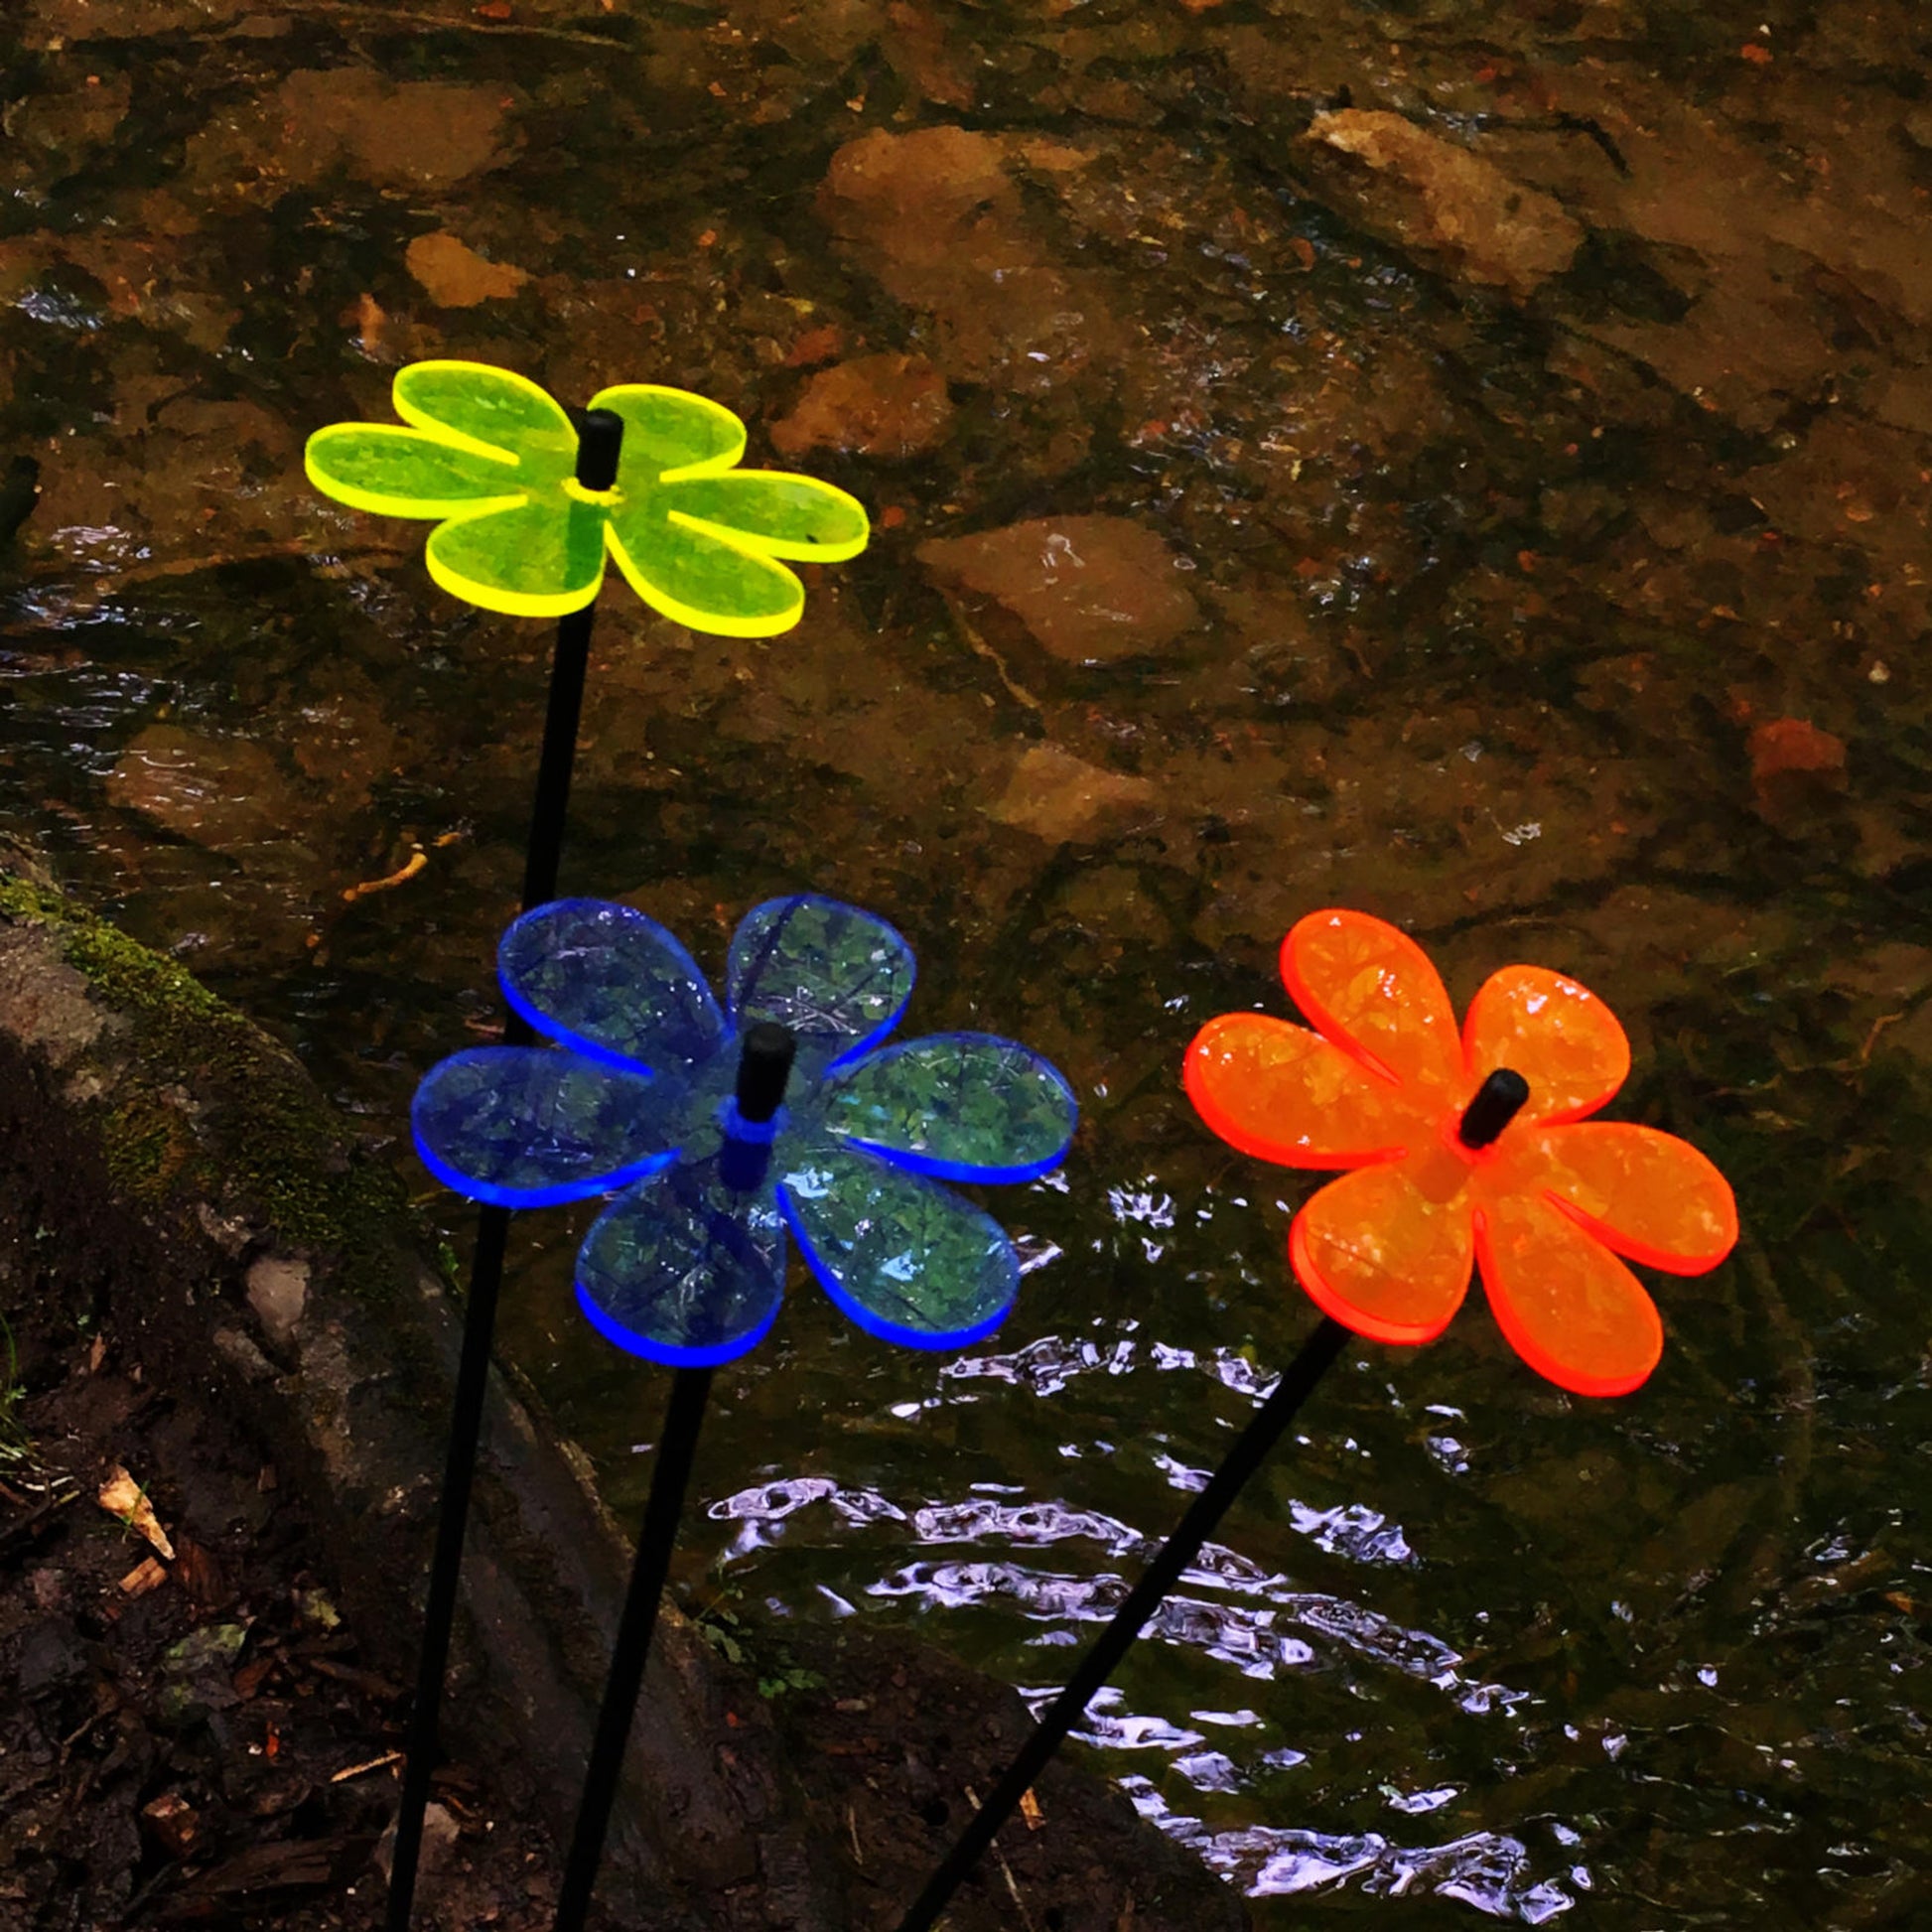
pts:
[278, 1146]
[760, 1652]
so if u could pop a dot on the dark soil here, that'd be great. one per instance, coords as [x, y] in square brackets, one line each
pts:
[1072, 1861]
[210, 1750]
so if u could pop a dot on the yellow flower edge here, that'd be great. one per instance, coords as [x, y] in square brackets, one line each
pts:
[619, 395]
[802, 551]
[483, 376]
[377, 504]
[709, 622]
[509, 603]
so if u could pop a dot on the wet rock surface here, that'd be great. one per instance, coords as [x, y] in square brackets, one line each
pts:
[873, 405]
[1089, 589]
[1443, 200]
[1560, 592]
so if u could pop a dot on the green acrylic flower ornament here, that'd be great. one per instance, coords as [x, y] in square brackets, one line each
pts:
[494, 457]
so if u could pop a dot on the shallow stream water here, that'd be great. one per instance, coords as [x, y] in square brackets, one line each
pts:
[1514, 526]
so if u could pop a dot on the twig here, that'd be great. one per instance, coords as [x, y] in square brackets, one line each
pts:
[1878, 1025]
[981, 647]
[1006, 1870]
[25, 1532]
[374, 1764]
[417, 861]
[107, 1710]
[608, 42]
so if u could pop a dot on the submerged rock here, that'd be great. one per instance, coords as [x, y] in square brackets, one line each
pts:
[413, 135]
[1428, 194]
[1090, 589]
[218, 792]
[454, 276]
[1059, 798]
[937, 218]
[1795, 767]
[873, 405]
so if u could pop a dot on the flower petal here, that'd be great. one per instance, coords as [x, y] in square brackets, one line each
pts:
[684, 1269]
[611, 981]
[489, 409]
[1387, 1250]
[907, 1259]
[394, 471]
[1558, 1035]
[698, 578]
[1372, 991]
[774, 512]
[838, 977]
[1642, 1193]
[1562, 1301]
[520, 1126]
[958, 1106]
[540, 558]
[669, 432]
[1285, 1093]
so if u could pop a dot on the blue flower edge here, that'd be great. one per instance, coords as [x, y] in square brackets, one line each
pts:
[667, 1353]
[875, 1325]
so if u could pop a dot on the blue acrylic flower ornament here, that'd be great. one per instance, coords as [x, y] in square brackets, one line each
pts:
[644, 1093]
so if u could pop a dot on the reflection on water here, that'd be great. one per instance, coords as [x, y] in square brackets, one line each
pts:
[1228, 1610]
[1467, 461]
[1490, 1871]
[1046, 1365]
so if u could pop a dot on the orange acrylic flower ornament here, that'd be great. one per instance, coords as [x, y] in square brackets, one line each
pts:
[1466, 1152]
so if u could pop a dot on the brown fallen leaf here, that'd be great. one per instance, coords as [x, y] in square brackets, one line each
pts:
[454, 275]
[1030, 1810]
[367, 317]
[251, 1677]
[173, 1823]
[297, 1864]
[200, 1575]
[121, 1495]
[147, 1574]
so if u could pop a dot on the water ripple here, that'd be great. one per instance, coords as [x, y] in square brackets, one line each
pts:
[1046, 1366]
[1028, 1524]
[1277, 1627]
[1488, 1870]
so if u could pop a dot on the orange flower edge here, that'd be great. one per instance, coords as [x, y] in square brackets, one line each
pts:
[1382, 1086]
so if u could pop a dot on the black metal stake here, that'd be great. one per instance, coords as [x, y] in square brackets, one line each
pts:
[764, 1066]
[1496, 1103]
[600, 439]
[1250, 1450]
[636, 1628]
[439, 1612]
